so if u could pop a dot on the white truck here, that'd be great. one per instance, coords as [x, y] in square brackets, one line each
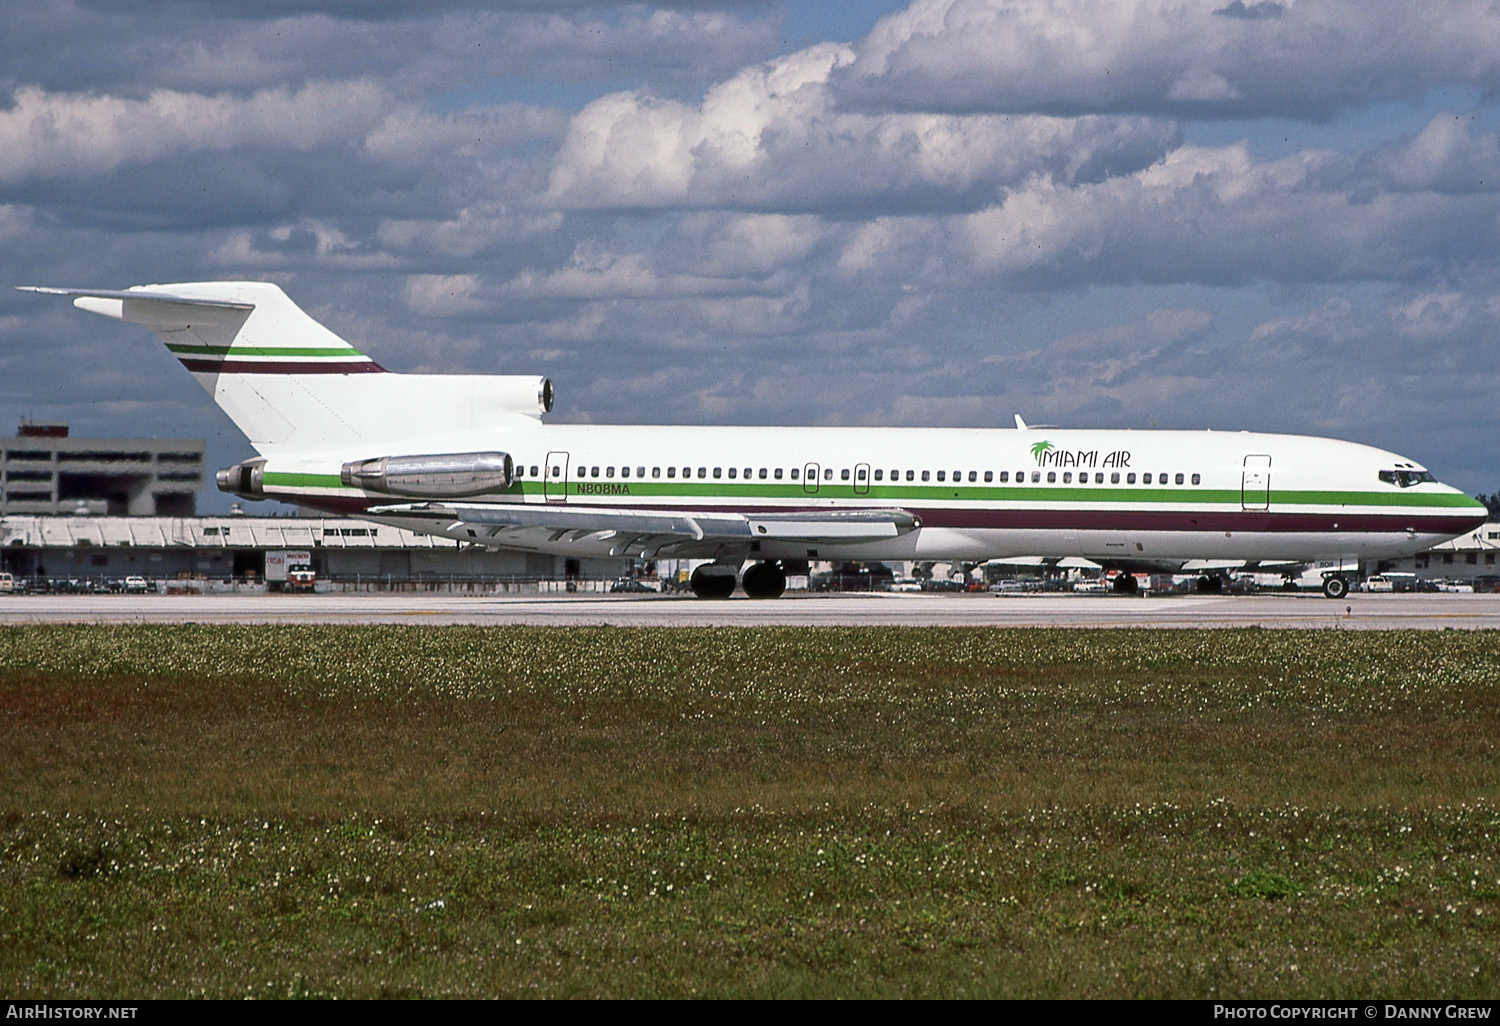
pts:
[289, 570]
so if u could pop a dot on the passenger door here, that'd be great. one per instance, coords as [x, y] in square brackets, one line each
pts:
[1255, 483]
[555, 481]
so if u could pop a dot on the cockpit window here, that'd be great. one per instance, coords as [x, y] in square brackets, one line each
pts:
[1406, 478]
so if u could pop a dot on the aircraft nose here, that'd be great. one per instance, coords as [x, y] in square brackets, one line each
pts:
[1475, 515]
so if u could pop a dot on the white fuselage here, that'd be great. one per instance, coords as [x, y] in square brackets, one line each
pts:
[1111, 496]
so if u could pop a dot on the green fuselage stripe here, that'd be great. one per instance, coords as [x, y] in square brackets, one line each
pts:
[925, 495]
[279, 351]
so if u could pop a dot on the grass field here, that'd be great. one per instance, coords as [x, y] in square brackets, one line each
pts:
[357, 812]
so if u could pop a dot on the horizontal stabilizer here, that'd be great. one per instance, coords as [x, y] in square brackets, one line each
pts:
[140, 294]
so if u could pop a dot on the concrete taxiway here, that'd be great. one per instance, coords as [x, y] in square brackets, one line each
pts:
[1357, 612]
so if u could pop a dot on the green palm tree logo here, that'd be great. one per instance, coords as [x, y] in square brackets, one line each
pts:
[1038, 448]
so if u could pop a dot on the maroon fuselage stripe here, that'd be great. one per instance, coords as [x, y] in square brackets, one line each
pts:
[1191, 520]
[1082, 520]
[278, 367]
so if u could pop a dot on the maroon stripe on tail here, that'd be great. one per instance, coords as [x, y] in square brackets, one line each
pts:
[280, 367]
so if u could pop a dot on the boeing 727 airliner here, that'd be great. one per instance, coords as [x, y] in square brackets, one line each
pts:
[469, 457]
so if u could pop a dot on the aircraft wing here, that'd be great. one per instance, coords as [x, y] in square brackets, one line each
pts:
[650, 532]
[1175, 566]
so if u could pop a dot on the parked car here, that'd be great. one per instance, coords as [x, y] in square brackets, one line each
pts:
[136, 585]
[942, 584]
[853, 577]
[629, 585]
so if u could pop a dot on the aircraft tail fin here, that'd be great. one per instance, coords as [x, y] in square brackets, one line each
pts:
[285, 380]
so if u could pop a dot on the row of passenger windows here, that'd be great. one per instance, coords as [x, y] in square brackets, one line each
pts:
[861, 475]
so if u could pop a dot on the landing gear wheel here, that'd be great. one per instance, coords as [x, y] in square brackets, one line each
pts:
[712, 582]
[1335, 587]
[1210, 584]
[1126, 584]
[764, 580]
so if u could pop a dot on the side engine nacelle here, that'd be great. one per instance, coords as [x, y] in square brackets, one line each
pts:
[441, 476]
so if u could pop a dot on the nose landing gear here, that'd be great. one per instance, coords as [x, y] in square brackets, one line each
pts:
[1335, 586]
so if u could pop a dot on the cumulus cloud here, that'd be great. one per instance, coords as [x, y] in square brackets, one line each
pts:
[443, 295]
[1445, 156]
[748, 245]
[421, 49]
[1334, 321]
[597, 273]
[410, 135]
[1203, 214]
[771, 138]
[478, 230]
[1307, 59]
[78, 135]
[1445, 314]
[307, 243]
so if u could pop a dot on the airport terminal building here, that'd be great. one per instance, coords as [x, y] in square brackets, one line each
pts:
[44, 470]
[1471, 556]
[227, 549]
[93, 510]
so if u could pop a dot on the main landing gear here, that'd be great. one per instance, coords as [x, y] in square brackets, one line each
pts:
[1335, 586]
[716, 580]
[712, 581]
[764, 580]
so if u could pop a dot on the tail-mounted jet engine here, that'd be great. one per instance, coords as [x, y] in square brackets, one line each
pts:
[444, 476]
[245, 479]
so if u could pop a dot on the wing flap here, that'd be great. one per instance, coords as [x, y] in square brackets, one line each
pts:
[854, 525]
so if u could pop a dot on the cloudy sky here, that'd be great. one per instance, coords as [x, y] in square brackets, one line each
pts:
[1273, 215]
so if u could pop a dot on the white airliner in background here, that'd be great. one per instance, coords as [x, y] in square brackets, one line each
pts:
[468, 457]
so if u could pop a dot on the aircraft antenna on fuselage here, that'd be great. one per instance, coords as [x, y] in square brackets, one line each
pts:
[1020, 424]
